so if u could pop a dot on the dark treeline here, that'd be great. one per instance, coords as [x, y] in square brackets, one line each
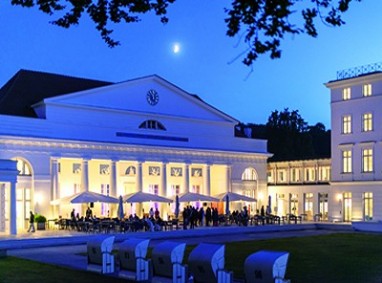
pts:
[289, 136]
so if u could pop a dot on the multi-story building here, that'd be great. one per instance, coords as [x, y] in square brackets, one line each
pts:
[356, 142]
[67, 135]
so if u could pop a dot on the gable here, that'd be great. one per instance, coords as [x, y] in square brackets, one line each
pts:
[132, 97]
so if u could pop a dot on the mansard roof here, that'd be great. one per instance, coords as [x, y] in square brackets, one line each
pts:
[27, 87]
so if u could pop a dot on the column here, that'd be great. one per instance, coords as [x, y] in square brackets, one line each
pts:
[13, 219]
[207, 180]
[228, 180]
[139, 177]
[2, 207]
[85, 175]
[186, 179]
[163, 190]
[54, 183]
[113, 178]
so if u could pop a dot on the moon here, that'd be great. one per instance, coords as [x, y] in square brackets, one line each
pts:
[176, 48]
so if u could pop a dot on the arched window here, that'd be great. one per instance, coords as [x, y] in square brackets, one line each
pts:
[153, 125]
[249, 174]
[130, 171]
[23, 167]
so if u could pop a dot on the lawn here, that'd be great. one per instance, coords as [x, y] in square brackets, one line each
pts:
[349, 257]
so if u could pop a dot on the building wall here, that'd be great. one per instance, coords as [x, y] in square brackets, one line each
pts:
[351, 189]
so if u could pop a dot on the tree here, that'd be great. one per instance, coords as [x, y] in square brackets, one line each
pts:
[261, 23]
[289, 136]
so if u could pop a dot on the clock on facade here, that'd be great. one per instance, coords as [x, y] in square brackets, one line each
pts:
[152, 97]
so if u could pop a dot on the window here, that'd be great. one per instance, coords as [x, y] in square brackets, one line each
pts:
[367, 122]
[249, 174]
[346, 161]
[281, 176]
[346, 124]
[367, 160]
[23, 168]
[366, 90]
[346, 93]
[310, 174]
[324, 172]
[152, 124]
[295, 175]
[368, 205]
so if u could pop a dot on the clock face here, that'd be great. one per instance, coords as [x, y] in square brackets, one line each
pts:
[152, 97]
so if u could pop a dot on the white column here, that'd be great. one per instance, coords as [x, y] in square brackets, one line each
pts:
[113, 178]
[85, 175]
[163, 191]
[139, 177]
[207, 180]
[186, 178]
[54, 178]
[228, 176]
[54, 183]
[13, 222]
[2, 207]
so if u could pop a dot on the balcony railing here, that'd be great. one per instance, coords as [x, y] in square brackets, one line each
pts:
[360, 70]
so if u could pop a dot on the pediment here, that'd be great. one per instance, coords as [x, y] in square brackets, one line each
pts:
[152, 94]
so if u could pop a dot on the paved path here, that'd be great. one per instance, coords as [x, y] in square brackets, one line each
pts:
[68, 253]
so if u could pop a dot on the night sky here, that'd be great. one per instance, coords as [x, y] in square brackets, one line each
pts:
[205, 63]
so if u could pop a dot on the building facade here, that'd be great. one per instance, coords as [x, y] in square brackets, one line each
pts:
[356, 103]
[300, 188]
[144, 135]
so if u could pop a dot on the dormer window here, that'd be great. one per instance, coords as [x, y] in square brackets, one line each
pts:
[153, 125]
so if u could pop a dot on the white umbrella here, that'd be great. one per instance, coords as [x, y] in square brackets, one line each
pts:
[85, 197]
[145, 197]
[188, 197]
[234, 197]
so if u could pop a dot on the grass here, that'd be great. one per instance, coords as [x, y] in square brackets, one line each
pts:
[349, 257]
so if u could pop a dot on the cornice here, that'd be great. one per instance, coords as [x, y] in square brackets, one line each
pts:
[124, 151]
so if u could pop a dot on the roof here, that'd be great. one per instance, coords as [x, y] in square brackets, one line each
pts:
[27, 88]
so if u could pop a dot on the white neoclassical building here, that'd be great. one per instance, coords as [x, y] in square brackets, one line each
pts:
[69, 135]
[356, 119]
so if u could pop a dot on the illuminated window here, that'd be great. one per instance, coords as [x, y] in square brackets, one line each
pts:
[367, 160]
[249, 174]
[346, 124]
[366, 90]
[324, 172]
[281, 176]
[346, 161]
[310, 174]
[23, 168]
[152, 124]
[368, 205]
[346, 93]
[367, 122]
[295, 175]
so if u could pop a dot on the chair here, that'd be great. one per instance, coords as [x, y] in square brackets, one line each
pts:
[206, 264]
[167, 258]
[100, 258]
[266, 267]
[132, 259]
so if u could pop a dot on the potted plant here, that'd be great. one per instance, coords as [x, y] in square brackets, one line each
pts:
[40, 220]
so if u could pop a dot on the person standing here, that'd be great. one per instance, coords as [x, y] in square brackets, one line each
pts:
[31, 222]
